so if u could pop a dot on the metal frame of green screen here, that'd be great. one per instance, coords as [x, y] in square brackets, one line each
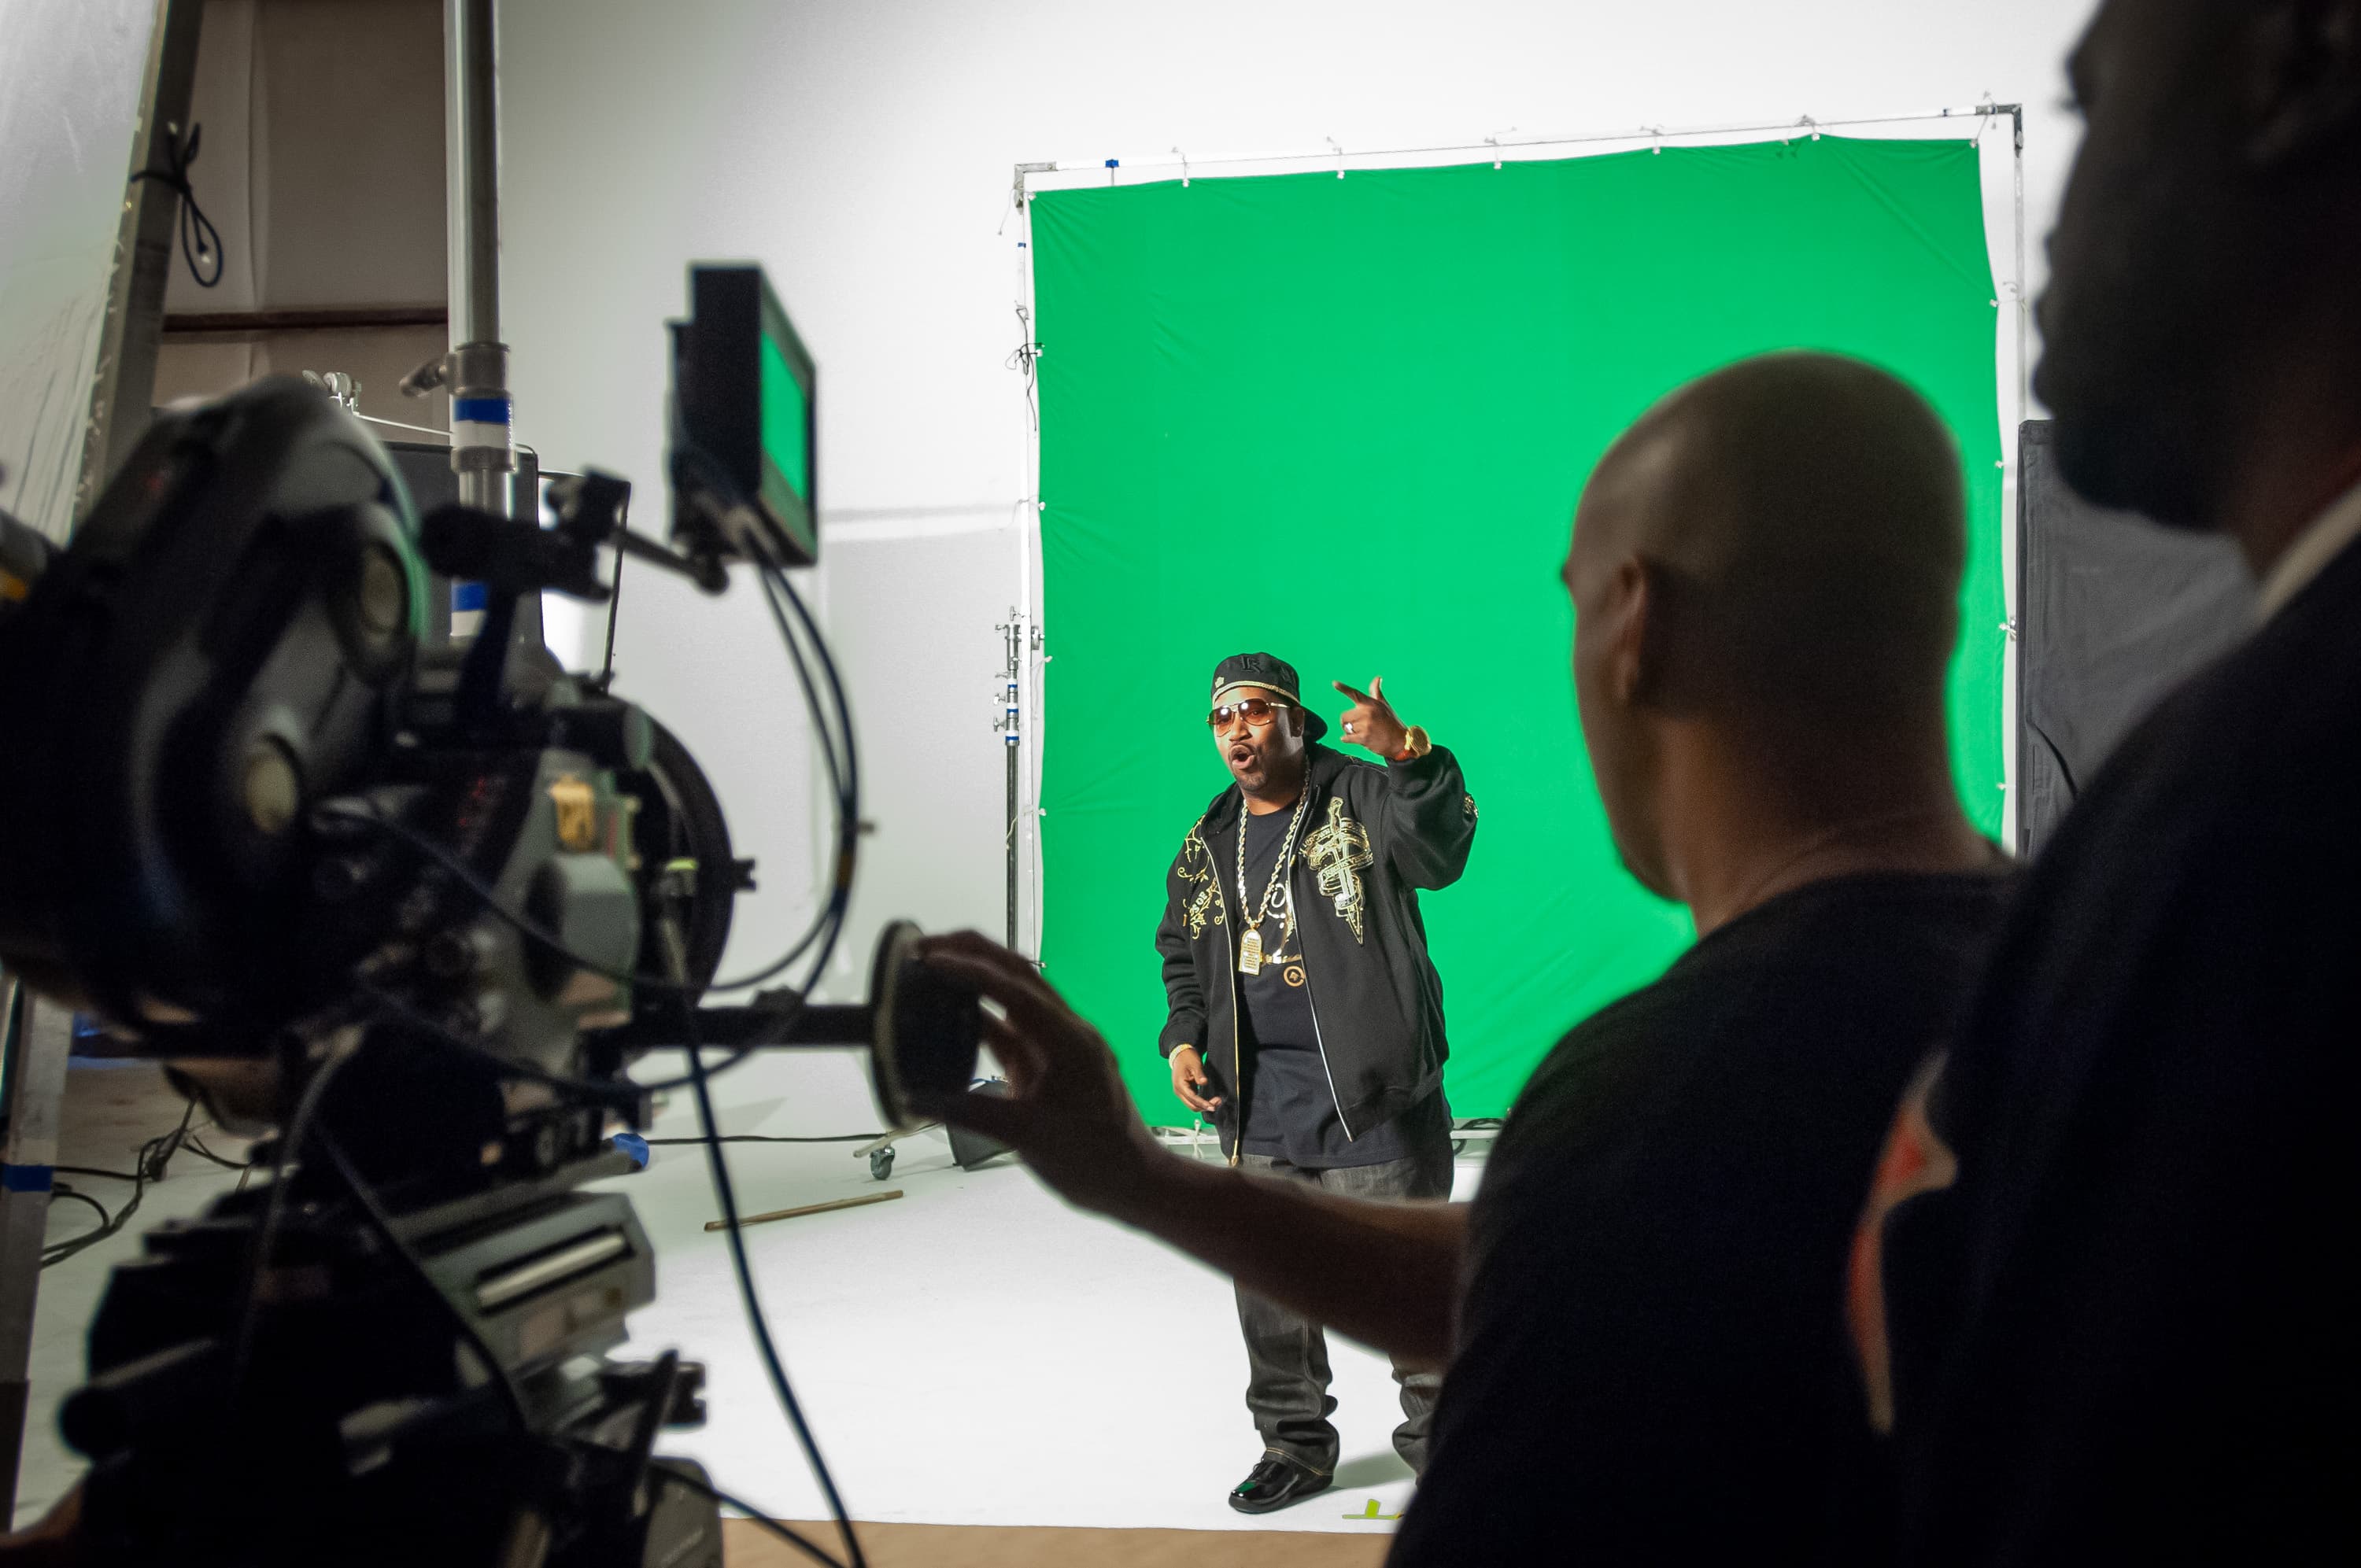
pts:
[1967, 124]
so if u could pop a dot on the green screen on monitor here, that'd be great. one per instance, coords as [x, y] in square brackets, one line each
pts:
[786, 422]
[746, 392]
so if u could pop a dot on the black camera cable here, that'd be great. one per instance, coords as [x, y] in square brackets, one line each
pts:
[847, 779]
[200, 241]
[154, 1156]
[106, 1225]
[382, 1223]
[274, 1213]
[754, 1515]
[718, 1164]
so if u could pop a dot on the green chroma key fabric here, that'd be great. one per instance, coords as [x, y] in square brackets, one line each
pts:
[1348, 420]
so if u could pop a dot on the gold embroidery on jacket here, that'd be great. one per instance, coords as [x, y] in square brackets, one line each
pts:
[1340, 852]
[1195, 870]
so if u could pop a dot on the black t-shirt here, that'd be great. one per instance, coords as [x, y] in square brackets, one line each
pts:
[1651, 1364]
[2128, 1330]
[1290, 1109]
[1278, 1003]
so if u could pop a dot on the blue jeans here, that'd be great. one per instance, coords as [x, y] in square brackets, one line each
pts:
[1287, 1354]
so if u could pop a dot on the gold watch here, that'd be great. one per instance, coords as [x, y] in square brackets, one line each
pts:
[1415, 744]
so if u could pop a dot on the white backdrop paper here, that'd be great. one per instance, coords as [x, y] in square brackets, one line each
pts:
[69, 78]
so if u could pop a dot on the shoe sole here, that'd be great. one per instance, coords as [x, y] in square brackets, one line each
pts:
[1288, 1501]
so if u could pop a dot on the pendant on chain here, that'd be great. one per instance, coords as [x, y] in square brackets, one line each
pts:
[1250, 954]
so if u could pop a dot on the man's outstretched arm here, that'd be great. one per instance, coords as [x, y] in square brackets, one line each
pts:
[1383, 1273]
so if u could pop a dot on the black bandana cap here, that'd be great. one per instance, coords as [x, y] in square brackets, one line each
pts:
[1271, 673]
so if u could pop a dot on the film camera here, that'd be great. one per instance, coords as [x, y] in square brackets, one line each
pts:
[417, 909]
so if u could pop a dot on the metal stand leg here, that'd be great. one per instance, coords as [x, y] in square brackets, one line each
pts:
[38, 1038]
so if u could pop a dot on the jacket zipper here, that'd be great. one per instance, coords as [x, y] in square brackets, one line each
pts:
[1237, 1069]
[1238, 1050]
[1312, 1002]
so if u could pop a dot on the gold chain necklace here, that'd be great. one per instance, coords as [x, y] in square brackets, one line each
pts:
[1250, 945]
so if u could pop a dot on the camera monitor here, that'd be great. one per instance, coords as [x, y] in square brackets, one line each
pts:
[746, 393]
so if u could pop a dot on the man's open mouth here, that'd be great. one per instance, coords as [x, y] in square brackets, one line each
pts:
[1240, 756]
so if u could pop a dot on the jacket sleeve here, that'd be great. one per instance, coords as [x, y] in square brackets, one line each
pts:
[1184, 1023]
[1430, 819]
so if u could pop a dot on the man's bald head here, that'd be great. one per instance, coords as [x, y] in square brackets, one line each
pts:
[1803, 517]
[1765, 577]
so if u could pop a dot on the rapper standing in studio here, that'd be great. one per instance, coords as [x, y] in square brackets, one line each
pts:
[1306, 1018]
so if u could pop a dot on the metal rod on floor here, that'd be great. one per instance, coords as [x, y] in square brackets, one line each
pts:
[746, 1219]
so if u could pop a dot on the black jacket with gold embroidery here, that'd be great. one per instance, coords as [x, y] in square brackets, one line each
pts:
[1372, 836]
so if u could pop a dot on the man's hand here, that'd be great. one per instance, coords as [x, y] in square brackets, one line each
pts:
[1370, 721]
[1385, 1273]
[1189, 1079]
[1067, 1110]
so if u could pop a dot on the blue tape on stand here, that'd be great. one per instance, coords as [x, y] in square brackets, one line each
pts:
[633, 1144]
[28, 1177]
[481, 411]
[470, 596]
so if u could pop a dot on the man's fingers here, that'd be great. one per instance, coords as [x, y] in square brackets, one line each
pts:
[1378, 688]
[1018, 1052]
[982, 951]
[1358, 696]
[1036, 1010]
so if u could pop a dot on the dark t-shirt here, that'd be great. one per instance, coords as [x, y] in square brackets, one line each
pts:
[1651, 1364]
[1277, 1001]
[2128, 1330]
[1290, 1110]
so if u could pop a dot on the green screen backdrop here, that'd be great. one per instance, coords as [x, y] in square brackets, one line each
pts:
[1347, 421]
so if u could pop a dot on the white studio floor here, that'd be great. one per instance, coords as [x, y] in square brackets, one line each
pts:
[976, 1352]
[971, 1353]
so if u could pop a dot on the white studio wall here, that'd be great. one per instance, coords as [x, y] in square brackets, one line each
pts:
[321, 166]
[863, 154]
[70, 82]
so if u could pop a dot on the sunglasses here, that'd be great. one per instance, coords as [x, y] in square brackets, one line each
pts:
[1254, 710]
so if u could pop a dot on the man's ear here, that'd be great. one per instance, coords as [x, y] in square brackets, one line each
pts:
[2303, 74]
[1634, 663]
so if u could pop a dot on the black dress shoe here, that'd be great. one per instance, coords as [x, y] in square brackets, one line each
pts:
[1273, 1483]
